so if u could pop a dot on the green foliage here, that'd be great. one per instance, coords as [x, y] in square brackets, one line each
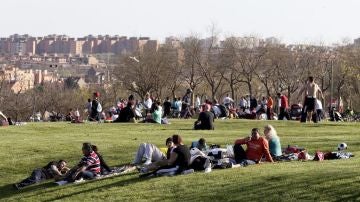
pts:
[24, 148]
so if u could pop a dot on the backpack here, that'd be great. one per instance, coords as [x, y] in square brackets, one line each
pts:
[199, 163]
[99, 107]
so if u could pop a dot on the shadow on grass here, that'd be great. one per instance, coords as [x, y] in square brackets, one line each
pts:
[8, 190]
[115, 184]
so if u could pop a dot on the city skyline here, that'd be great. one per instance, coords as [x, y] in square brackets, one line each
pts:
[306, 21]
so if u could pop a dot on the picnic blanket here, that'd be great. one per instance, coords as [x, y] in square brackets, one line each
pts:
[115, 172]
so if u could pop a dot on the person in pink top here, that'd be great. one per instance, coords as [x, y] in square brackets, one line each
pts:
[257, 147]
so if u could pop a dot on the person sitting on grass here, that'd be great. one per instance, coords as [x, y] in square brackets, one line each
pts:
[257, 147]
[87, 168]
[274, 141]
[53, 170]
[200, 144]
[127, 114]
[151, 153]
[105, 169]
[156, 113]
[205, 120]
[178, 162]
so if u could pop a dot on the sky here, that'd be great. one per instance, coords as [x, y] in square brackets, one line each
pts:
[292, 21]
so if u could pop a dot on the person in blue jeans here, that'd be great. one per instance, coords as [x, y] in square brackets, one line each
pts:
[53, 170]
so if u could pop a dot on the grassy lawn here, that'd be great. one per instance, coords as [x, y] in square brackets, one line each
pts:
[24, 148]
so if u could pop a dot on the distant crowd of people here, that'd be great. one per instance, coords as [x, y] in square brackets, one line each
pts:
[154, 110]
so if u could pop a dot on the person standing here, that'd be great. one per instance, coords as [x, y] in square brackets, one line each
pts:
[147, 103]
[284, 106]
[167, 107]
[310, 89]
[227, 100]
[197, 103]
[96, 108]
[269, 110]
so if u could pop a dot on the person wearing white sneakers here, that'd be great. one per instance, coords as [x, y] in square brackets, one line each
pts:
[152, 153]
[179, 161]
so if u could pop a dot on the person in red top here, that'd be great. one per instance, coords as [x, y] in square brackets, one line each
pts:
[284, 106]
[257, 147]
[269, 108]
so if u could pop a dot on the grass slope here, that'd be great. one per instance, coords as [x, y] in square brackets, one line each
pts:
[27, 147]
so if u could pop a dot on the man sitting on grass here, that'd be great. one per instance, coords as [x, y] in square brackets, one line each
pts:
[53, 170]
[178, 162]
[257, 147]
[205, 120]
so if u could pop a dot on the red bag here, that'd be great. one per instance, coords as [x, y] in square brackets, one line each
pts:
[303, 155]
[319, 156]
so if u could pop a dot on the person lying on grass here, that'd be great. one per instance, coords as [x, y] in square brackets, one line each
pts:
[257, 147]
[152, 153]
[87, 168]
[178, 162]
[53, 170]
[200, 144]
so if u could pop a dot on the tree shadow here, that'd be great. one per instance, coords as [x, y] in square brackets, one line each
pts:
[8, 190]
[118, 183]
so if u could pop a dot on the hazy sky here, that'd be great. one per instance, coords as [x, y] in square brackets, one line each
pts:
[293, 21]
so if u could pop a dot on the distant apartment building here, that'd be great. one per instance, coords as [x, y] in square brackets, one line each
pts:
[357, 42]
[64, 45]
[19, 80]
[172, 42]
[18, 47]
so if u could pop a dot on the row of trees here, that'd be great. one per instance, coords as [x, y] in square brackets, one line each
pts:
[238, 66]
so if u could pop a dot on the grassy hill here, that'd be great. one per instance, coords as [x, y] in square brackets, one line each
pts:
[24, 148]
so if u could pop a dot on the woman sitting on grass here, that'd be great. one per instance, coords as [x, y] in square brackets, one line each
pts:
[178, 162]
[156, 114]
[274, 141]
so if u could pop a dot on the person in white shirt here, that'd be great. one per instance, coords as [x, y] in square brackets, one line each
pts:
[197, 103]
[227, 100]
[147, 103]
[318, 109]
[243, 103]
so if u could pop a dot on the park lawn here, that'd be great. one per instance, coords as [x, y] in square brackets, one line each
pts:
[24, 148]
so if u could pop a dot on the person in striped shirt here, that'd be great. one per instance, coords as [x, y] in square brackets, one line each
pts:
[88, 167]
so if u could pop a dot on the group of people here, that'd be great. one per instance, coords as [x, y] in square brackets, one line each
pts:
[176, 158]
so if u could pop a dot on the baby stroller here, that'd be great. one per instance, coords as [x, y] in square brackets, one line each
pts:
[295, 112]
[224, 111]
[335, 115]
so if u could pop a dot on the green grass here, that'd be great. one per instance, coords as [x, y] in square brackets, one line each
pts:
[24, 148]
